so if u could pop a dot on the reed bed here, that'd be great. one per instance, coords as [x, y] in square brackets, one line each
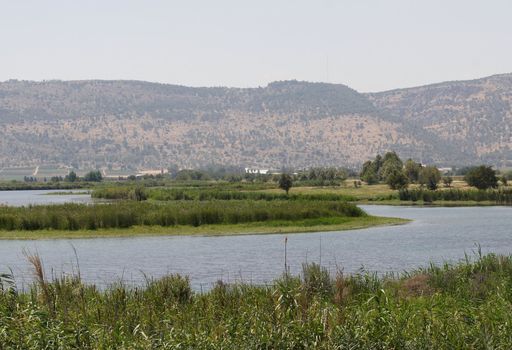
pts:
[439, 307]
[500, 196]
[126, 214]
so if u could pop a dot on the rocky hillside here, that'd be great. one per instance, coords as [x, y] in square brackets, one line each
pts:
[474, 117]
[132, 124]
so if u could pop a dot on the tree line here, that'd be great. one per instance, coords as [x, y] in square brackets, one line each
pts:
[391, 170]
[91, 176]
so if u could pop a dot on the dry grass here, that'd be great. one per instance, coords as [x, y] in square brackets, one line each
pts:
[417, 285]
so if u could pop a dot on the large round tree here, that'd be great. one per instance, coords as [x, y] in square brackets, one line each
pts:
[482, 177]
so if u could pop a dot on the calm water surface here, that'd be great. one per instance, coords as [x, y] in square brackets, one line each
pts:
[435, 235]
[19, 198]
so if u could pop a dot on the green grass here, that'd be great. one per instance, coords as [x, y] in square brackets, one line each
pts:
[463, 306]
[269, 227]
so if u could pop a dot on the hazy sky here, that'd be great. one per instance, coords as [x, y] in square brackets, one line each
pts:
[368, 45]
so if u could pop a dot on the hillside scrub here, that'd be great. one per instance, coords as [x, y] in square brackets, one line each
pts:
[438, 307]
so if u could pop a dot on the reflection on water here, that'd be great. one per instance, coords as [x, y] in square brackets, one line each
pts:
[436, 234]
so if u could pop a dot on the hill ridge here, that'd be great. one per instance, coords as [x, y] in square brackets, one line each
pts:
[134, 123]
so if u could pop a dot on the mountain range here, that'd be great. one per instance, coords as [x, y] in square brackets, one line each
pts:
[134, 124]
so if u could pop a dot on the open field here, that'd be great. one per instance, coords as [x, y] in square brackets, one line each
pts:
[460, 306]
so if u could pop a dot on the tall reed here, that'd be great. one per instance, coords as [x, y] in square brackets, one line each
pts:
[460, 306]
[126, 214]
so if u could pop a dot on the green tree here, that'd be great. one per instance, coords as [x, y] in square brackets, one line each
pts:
[378, 162]
[482, 177]
[93, 176]
[504, 180]
[369, 173]
[71, 177]
[390, 163]
[412, 170]
[396, 179]
[285, 182]
[430, 177]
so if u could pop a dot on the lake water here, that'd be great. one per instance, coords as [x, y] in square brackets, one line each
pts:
[19, 198]
[435, 235]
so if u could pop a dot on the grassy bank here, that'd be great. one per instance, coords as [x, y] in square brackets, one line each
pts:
[439, 307]
[269, 227]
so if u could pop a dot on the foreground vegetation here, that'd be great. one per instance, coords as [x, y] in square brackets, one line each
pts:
[439, 307]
